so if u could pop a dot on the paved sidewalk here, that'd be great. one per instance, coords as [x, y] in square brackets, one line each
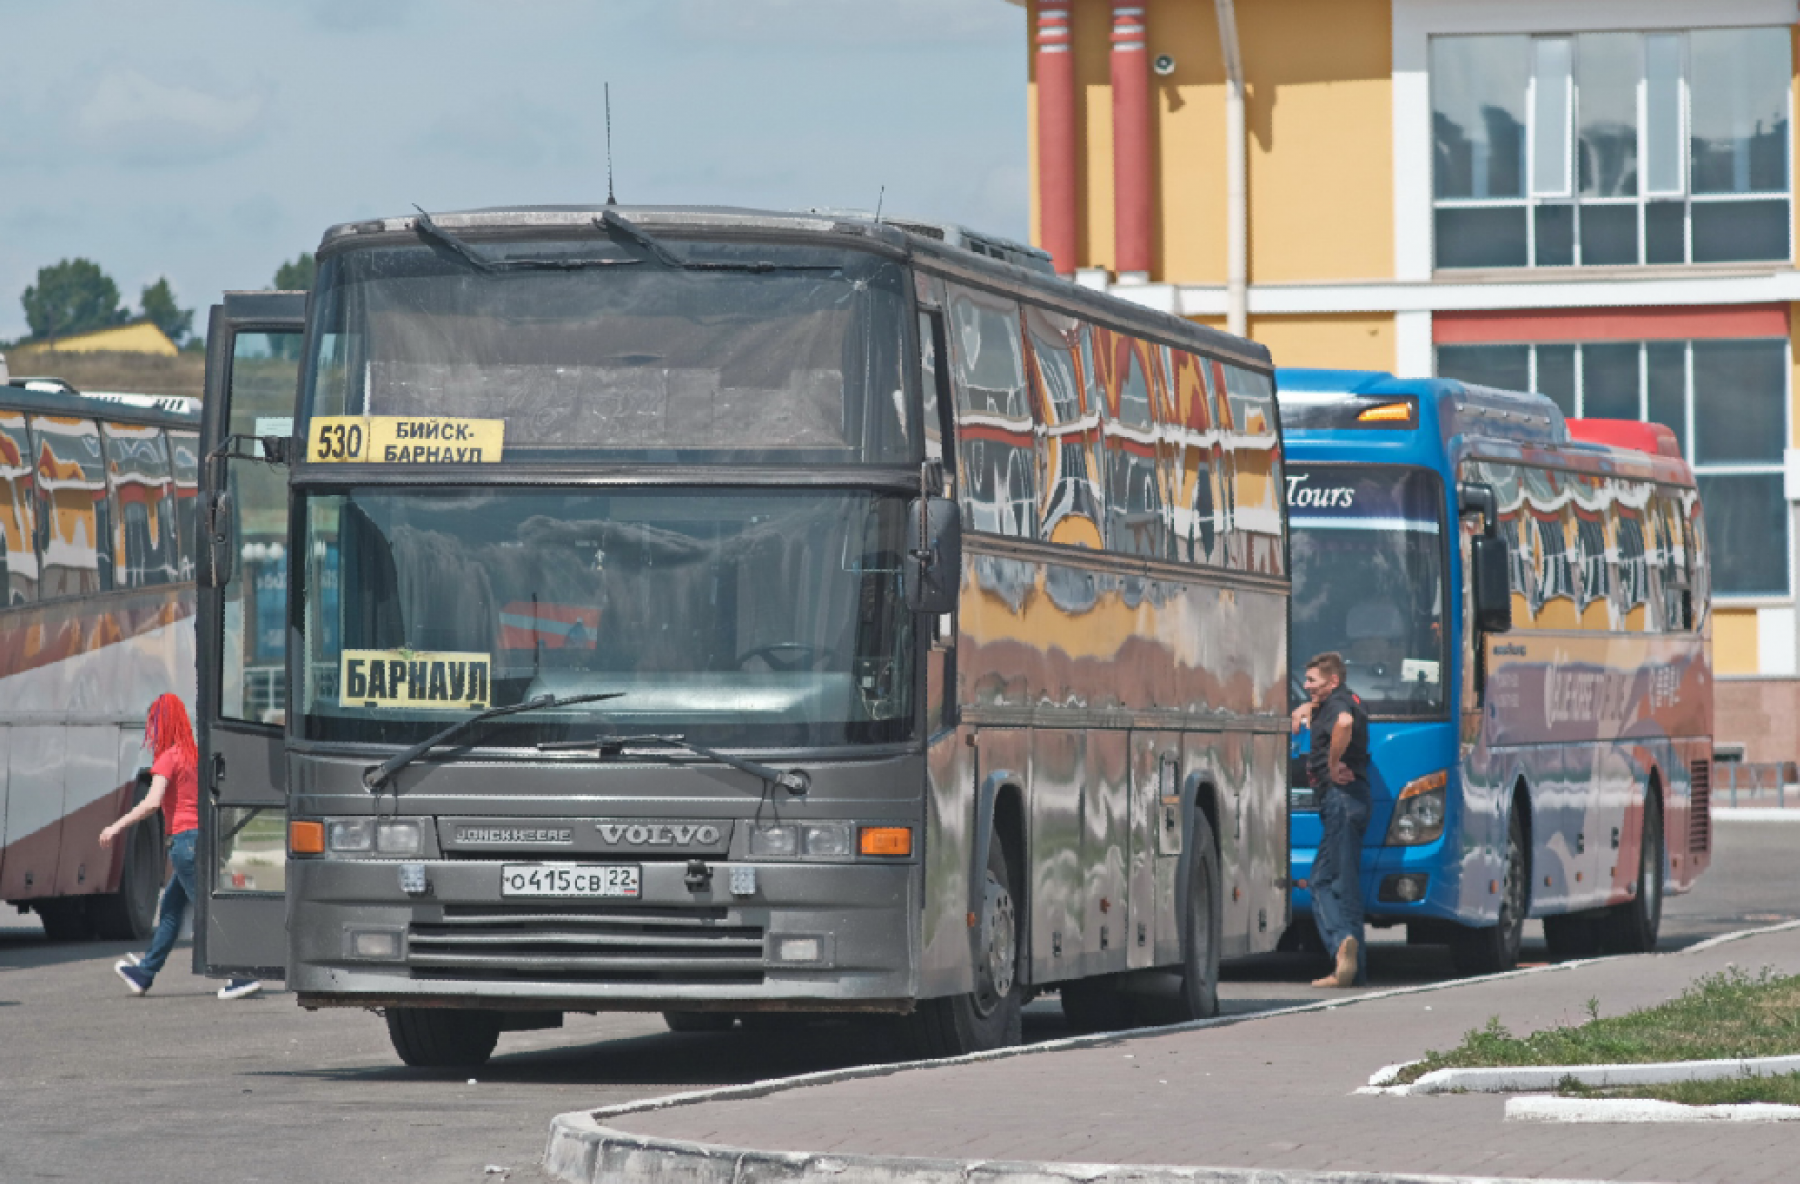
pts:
[1271, 1093]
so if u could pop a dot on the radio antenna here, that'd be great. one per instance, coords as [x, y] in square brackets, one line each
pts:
[609, 167]
[879, 197]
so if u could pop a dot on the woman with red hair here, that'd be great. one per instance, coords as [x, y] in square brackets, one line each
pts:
[175, 790]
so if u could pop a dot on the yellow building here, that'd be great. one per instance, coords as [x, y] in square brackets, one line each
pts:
[1589, 198]
[139, 337]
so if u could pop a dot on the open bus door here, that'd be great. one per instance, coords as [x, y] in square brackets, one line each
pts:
[252, 379]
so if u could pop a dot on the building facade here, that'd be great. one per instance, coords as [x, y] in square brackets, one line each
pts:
[1589, 198]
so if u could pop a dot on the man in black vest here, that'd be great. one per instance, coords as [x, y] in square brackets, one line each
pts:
[1338, 768]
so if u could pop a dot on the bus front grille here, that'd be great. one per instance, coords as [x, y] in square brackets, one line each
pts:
[546, 943]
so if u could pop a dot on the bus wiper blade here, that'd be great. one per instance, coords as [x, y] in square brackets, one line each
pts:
[378, 775]
[795, 781]
[431, 230]
[614, 223]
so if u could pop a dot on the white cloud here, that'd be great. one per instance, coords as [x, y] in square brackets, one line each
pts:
[797, 23]
[144, 121]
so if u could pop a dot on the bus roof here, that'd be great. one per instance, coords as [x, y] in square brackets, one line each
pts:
[1336, 405]
[971, 254]
[53, 396]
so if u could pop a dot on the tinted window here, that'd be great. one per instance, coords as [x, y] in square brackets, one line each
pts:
[1073, 505]
[73, 510]
[184, 457]
[995, 436]
[144, 547]
[18, 509]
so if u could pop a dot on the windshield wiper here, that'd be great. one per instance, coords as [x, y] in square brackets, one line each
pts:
[613, 223]
[378, 775]
[795, 781]
[432, 231]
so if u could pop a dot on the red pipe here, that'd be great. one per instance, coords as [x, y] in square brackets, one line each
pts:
[1133, 202]
[1057, 198]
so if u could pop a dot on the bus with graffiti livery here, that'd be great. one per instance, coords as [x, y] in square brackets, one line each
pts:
[1522, 605]
[714, 611]
[98, 504]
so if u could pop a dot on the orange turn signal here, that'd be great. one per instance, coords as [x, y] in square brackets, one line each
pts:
[886, 840]
[306, 838]
[1390, 413]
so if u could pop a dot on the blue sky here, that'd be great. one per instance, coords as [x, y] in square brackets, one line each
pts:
[210, 140]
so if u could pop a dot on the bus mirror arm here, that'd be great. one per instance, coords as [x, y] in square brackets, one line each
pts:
[1472, 498]
[932, 572]
[219, 533]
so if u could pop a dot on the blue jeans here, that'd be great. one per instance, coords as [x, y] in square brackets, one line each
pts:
[178, 893]
[1337, 870]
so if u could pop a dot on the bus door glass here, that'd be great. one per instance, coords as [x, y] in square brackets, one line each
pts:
[252, 382]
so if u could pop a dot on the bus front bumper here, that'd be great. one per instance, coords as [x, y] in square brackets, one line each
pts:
[747, 936]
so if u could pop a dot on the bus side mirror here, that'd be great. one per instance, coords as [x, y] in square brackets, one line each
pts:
[1491, 585]
[218, 542]
[932, 571]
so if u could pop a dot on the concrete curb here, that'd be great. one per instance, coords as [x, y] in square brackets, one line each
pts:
[1514, 1079]
[1537, 1108]
[584, 1151]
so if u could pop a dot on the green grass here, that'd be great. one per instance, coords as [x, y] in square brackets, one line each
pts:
[1726, 1091]
[1730, 1014]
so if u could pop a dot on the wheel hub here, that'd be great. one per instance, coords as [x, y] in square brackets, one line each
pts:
[999, 949]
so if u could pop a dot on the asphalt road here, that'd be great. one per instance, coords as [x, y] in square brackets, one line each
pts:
[178, 1086]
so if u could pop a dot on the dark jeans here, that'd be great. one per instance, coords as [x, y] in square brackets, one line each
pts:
[178, 893]
[1337, 870]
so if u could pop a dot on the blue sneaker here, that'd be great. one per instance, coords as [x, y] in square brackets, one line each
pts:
[136, 981]
[239, 988]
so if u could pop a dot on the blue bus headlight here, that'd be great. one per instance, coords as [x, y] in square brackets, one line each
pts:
[1419, 813]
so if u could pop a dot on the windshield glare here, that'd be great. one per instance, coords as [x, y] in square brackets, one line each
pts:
[1368, 556]
[630, 359]
[732, 617]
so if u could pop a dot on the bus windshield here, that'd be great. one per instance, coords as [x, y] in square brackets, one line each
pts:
[603, 350]
[1368, 557]
[730, 616]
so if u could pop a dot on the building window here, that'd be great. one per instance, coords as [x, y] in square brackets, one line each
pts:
[1726, 401]
[1611, 149]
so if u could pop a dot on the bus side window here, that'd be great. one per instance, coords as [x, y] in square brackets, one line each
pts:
[1133, 497]
[1593, 584]
[184, 456]
[1256, 471]
[18, 515]
[995, 433]
[1632, 590]
[73, 508]
[1071, 500]
[143, 546]
[1193, 480]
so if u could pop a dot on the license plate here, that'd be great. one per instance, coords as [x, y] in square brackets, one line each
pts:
[568, 879]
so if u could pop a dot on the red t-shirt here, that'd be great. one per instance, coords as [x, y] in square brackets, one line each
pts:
[181, 800]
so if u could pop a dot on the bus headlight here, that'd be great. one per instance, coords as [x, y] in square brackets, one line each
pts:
[1419, 813]
[350, 836]
[808, 840]
[375, 836]
[399, 836]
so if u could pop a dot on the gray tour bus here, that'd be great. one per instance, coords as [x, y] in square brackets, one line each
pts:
[715, 611]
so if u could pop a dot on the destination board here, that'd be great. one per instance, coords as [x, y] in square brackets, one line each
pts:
[413, 679]
[405, 440]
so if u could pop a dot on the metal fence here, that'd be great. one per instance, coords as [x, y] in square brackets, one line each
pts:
[1756, 783]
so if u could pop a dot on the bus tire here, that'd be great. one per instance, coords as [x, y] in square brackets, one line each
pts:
[130, 913]
[1631, 928]
[1572, 936]
[65, 918]
[443, 1037]
[1490, 949]
[989, 1016]
[1203, 925]
[699, 1021]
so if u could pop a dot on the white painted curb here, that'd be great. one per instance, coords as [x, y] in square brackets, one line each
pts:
[1537, 1108]
[1515, 1079]
[1756, 814]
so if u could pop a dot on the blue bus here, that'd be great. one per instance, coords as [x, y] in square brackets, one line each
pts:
[1522, 604]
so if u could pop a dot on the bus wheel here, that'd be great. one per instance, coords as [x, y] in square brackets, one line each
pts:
[1571, 936]
[65, 918]
[699, 1021]
[1493, 948]
[443, 1037]
[989, 1016]
[1630, 928]
[130, 913]
[1197, 997]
